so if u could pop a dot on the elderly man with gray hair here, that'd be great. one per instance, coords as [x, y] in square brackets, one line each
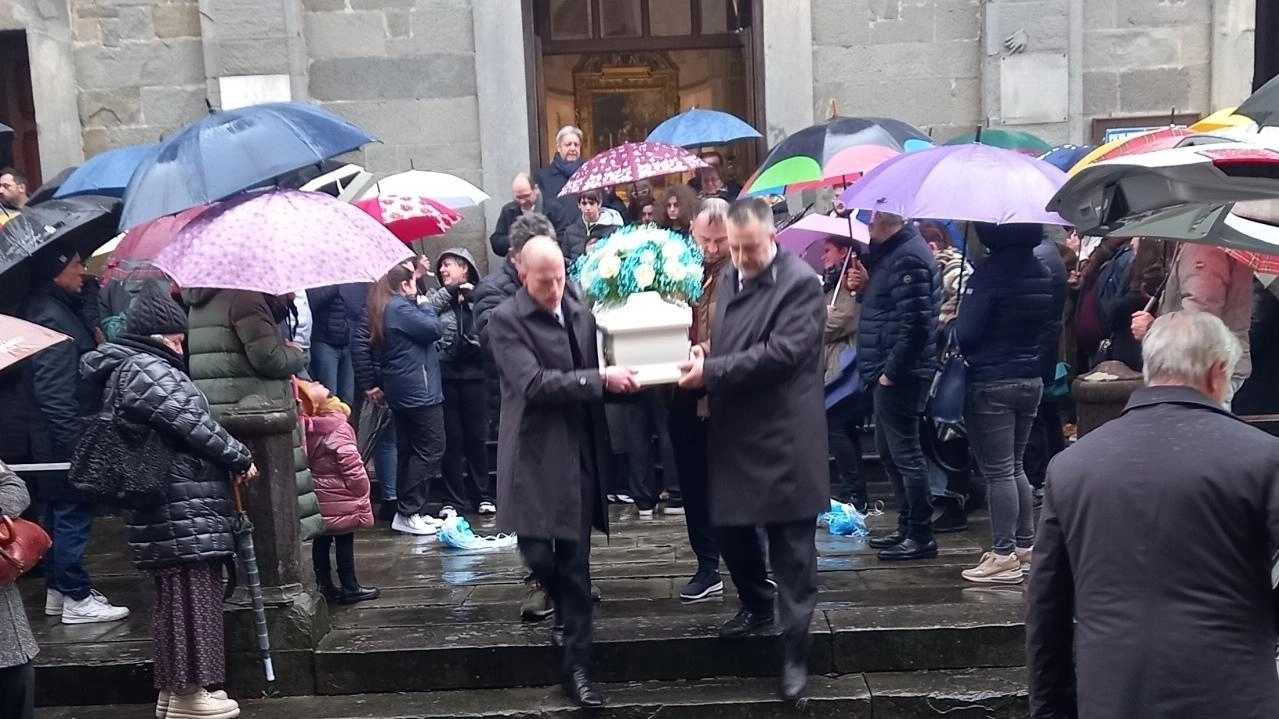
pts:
[1151, 592]
[568, 157]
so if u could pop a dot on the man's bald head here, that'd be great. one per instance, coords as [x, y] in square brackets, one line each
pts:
[525, 191]
[542, 271]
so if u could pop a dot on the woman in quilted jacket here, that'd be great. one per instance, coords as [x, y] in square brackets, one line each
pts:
[342, 485]
[183, 539]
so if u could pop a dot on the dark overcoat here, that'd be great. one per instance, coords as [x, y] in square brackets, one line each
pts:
[1151, 596]
[768, 454]
[541, 432]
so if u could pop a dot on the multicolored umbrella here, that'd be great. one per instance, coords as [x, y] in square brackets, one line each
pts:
[137, 249]
[281, 241]
[698, 128]
[106, 173]
[1064, 157]
[448, 190]
[409, 217]
[1017, 140]
[631, 162]
[1153, 141]
[802, 157]
[974, 182]
[1223, 119]
[232, 151]
[20, 339]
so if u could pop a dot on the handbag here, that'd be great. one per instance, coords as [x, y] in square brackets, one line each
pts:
[121, 462]
[950, 385]
[22, 544]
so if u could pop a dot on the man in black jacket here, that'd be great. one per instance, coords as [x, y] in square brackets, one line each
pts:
[1046, 440]
[63, 400]
[528, 201]
[1151, 592]
[334, 311]
[897, 356]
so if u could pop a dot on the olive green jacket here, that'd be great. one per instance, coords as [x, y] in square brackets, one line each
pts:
[236, 350]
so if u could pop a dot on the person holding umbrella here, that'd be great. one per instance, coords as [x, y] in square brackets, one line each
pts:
[184, 539]
[62, 400]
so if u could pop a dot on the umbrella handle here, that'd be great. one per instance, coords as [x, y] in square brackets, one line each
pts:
[239, 500]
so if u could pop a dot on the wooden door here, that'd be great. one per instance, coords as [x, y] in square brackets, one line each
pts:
[17, 109]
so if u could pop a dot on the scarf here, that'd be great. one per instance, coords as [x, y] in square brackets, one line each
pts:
[565, 167]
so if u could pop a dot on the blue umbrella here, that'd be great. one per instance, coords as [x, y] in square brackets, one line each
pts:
[105, 174]
[232, 151]
[696, 128]
[1064, 157]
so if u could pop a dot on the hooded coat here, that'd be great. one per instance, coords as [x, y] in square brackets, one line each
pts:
[461, 357]
[236, 350]
[341, 482]
[193, 523]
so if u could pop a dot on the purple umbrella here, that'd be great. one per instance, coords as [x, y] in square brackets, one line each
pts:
[806, 237]
[972, 182]
[279, 242]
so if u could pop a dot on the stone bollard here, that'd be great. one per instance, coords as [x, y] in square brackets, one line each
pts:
[1099, 401]
[296, 617]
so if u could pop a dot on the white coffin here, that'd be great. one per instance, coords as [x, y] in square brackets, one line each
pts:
[646, 334]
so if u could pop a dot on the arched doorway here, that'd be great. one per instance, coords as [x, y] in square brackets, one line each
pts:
[17, 108]
[616, 68]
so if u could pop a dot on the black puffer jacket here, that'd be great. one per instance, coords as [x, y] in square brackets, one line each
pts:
[334, 310]
[1050, 335]
[897, 336]
[193, 524]
[459, 345]
[1006, 305]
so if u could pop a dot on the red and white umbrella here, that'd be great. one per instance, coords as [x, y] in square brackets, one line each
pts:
[410, 217]
[631, 162]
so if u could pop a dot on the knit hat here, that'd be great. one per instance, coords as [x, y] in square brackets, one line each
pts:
[154, 312]
[49, 261]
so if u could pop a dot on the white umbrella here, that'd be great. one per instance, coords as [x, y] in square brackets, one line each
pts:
[449, 190]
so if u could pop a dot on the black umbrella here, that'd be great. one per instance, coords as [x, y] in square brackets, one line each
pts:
[247, 554]
[44, 193]
[1263, 105]
[86, 221]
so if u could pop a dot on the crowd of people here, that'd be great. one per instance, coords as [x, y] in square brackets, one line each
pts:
[435, 359]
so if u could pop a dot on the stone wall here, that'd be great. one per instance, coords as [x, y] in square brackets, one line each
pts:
[404, 70]
[139, 65]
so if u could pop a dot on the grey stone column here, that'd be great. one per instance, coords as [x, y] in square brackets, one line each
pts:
[1233, 45]
[246, 38]
[788, 68]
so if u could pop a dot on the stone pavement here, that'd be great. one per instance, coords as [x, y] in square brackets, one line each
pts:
[912, 636]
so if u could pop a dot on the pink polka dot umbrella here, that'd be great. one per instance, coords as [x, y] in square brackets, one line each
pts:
[281, 241]
[630, 162]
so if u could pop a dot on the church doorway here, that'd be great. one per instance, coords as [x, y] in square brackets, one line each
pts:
[17, 109]
[617, 68]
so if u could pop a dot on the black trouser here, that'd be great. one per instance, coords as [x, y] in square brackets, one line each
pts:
[843, 431]
[465, 432]
[897, 410]
[1046, 440]
[18, 691]
[792, 551]
[420, 434]
[689, 440]
[563, 568]
[345, 544]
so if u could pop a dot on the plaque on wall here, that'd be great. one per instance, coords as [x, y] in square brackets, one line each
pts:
[621, 97]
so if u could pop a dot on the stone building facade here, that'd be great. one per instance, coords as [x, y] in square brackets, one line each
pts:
[446, 84]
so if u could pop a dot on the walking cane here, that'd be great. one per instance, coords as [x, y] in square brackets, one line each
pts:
[248, 555]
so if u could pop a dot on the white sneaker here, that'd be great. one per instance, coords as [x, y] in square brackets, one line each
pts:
[91, 610]
[53, 603]
[645, 512]
[625, 499]
[433, 521]
[202, 705]
[448, 511]
[412, 525]
[488, 508]
[428, 524]
[162, 702]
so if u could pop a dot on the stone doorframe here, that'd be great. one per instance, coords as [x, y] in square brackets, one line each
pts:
[53, 88]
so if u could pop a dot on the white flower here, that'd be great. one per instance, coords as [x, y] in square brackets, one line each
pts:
[674, 270]
[672, 250]
[629, 242]
[644, 276]
[647, 257]
[609, 266]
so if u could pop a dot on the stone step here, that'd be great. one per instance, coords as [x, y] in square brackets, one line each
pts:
[989, 693]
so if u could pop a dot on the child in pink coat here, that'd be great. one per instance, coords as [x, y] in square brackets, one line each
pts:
[342, 486]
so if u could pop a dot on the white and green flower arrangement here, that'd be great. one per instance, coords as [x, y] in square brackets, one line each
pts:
[640, 259]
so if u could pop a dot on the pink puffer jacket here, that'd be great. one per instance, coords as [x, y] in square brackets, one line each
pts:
[341, 482]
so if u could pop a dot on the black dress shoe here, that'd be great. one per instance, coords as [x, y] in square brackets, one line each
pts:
[746, 622]
[578, 689]
[886, 541]
[909, 549]
[359, 594]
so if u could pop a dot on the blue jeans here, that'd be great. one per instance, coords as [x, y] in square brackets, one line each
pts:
[69, 524]
[331, 367]
[385, 462]
[1000, 416]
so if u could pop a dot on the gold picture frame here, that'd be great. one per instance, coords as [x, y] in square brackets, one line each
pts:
[621, 97]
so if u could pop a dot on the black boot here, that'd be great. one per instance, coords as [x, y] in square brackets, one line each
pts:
[949, 515]
[577, 687]
[351, 591]
[324, 568]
